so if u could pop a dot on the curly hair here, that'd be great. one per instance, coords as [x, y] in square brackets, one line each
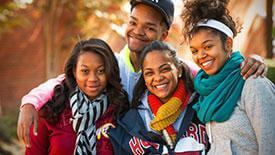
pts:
[116, 95]
[186, 76]
[197, 10]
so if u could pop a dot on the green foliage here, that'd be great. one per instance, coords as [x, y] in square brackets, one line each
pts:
[271, 69]
[10, 16]
[13, 13]
[4, 134]
[4, 152]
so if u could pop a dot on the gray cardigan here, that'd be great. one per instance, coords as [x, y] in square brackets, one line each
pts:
[251, 127]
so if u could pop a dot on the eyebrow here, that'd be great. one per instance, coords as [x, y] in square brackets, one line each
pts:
[147, 23]
[207, 41]
[202, 43]
[83, 65]
[163, 65]
[158, 67]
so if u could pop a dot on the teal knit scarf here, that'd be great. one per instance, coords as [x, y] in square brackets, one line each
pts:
[219, 93]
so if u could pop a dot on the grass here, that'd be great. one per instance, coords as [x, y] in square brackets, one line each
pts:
[8, 124]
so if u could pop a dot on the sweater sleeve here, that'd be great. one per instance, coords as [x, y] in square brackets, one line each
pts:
[258, 97]
[41, 94]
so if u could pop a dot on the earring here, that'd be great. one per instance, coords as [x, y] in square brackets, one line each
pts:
[180, 76]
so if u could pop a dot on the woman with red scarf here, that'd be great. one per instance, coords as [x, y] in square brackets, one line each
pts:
[161, 120]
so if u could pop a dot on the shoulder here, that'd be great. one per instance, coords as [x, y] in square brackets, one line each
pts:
[258, 85]
[257, 93]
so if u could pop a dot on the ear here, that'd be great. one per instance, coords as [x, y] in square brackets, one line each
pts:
[164, 35]
[229, 44]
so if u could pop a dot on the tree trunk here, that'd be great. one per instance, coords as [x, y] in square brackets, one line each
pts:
[269, 24]
[51, 16]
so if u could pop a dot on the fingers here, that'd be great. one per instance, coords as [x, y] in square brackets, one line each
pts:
[265, 71]
[242, 65]
[22, 130]
[251, 69]
[260, 71]
[26, 132]
[27, 116]
[246, 68]
[35, 125]
[19, 130]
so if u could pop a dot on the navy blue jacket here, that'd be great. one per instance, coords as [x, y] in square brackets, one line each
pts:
[130, 136]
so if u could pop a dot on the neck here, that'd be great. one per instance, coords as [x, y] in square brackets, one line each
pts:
[135, 60]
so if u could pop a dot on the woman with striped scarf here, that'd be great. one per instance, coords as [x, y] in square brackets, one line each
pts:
[83, 106]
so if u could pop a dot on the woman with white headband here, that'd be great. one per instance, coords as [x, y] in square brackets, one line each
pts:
[239, 115]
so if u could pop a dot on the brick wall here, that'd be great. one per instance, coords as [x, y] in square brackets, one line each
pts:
[22, 65]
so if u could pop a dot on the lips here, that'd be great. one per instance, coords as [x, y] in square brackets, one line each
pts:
[207, 64]
[161, 86]
[92, 88]
[134, 37]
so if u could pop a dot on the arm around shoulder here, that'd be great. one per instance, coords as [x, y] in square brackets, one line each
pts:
[41, 94]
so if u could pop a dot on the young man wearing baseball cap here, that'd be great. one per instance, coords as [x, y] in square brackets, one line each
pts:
[149, 20]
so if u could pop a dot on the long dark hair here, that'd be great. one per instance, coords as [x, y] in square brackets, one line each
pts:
[186, 76]
[116, 95]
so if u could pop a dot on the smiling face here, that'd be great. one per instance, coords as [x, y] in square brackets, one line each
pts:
[208, 51]
[145, 25]
[90, 74]
[160, 74]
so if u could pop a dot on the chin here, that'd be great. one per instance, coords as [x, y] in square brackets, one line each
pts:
[136, 50]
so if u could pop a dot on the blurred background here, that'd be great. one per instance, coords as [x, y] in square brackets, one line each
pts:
[36, 37]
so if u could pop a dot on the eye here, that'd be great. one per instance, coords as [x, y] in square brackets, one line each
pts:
[132, 23]
[101, 71]
[166, 69]
[85, 71]
[150, 29]
[207, 47]
[148, 73]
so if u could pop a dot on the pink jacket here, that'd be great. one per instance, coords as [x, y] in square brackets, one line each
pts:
[41, 94]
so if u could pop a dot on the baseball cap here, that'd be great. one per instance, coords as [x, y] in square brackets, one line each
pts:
[164, 7]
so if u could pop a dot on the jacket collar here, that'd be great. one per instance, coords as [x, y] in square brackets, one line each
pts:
[125, 55]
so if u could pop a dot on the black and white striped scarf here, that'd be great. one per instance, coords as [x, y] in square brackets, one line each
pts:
[85, 113]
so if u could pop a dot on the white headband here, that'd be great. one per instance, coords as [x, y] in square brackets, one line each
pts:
[217, 25]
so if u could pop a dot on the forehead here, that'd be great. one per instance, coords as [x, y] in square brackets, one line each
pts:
[90, 59]
[156, 58]
[202, 35]
[146, 13]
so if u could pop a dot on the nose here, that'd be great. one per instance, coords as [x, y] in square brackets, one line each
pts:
[92, 77]
[158, 77]
[138, 30]
[201, 54]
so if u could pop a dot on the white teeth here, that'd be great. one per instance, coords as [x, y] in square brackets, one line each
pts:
[206, 63]
[161, 86]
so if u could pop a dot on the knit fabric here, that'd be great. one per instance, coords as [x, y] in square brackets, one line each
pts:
[166, 114]
[219, 93]
[250, 130]
[85, 114]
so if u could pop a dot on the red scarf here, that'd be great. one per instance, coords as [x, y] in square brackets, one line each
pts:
[166, 114]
